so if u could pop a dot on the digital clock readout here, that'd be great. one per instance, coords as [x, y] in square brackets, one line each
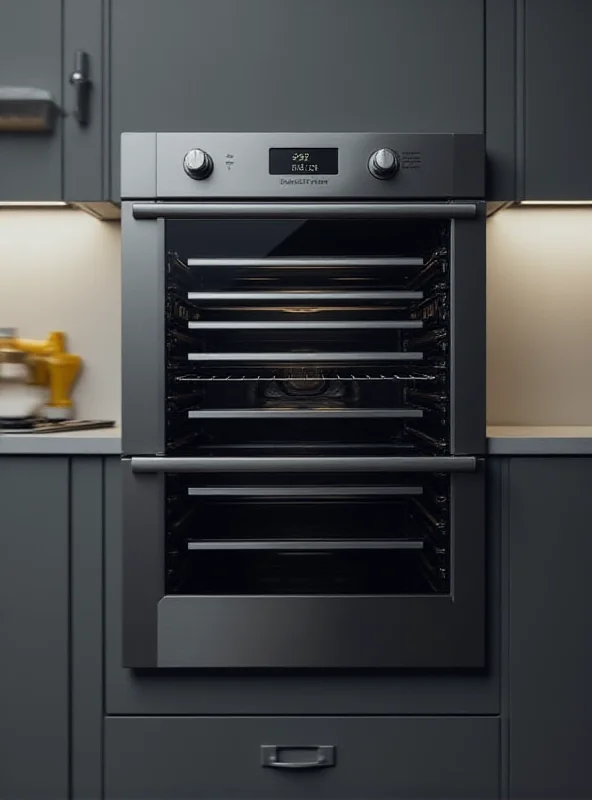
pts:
[303, 161]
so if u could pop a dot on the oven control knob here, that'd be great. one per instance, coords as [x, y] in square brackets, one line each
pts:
[198, 164]
[384, 163]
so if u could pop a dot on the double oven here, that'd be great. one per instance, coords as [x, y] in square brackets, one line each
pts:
[303, 401]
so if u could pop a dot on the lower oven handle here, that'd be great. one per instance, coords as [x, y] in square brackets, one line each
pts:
[306, 464]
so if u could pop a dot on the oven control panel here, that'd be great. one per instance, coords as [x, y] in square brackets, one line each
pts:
[194, 166]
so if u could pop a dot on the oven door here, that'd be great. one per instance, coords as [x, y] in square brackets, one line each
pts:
[230, 307]
[303, 432]
[304, 562]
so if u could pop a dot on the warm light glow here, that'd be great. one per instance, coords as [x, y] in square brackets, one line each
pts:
[32, 204]
[555, 203]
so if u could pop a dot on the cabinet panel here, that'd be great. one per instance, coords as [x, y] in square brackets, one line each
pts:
[232, 65]
[83, 143]
[550, 631]
[558, 114]
[220, 757]
[86, 626]
[34, 534]
[31, 56]
[500, 92]
[276, 692]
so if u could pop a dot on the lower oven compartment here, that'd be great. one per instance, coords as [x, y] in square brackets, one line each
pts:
[304, 563]
[301, 534]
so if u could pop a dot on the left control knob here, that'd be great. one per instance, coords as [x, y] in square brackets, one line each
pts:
[198, 164]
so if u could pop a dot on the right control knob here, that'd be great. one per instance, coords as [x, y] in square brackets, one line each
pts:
[384, 163]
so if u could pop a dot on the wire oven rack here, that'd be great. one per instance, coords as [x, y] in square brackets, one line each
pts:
[314, 376]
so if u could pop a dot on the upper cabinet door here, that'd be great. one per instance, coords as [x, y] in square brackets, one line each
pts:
[43, 44]
[31, 57]
[558, 100]
[295, 65]
[85, 173]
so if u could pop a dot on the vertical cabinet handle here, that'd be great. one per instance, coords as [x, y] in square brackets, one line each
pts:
[270, 757]
[80, 80]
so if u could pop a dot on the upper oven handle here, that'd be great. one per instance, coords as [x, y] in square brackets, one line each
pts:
[306, 464]
[317, 210]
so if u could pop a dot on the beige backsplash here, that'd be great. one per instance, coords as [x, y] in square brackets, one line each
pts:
[60, 270]
[539, 316]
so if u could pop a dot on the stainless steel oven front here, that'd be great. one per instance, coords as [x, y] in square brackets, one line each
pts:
[303, 401]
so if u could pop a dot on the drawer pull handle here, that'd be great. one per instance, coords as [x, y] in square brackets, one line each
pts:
[325, 757]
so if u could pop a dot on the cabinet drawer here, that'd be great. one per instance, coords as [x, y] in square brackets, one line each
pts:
[371, 757]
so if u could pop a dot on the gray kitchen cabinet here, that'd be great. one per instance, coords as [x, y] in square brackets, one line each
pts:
[554, 70]
[38, 42]
[149, 758]
[34, 619]
[547, 516]
[294, 65]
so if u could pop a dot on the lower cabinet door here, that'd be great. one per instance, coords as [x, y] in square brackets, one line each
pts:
[179, 758]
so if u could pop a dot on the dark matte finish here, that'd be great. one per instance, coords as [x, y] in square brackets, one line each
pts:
[143, 564]
[187, 692]
[550, 630]
[316, 210]
[86, 609]
[34, 672]
[500, 94]
[220, 757]
[497, 498]
[143, 349]
[216, 74]
[558, 117]
[83, 144]
[467, 339]
[31, 56]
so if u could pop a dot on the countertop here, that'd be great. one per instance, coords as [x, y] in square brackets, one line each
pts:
[101, 442]
[553, 440]
[501, 441]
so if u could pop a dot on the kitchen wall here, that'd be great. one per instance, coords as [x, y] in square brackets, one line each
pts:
[539, 316]
[60, 270]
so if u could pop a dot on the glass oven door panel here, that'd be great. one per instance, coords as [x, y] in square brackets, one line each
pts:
[311, 534]
[304, 570]
[300, 238]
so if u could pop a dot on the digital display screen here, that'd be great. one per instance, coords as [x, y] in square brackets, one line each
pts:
[303, 161]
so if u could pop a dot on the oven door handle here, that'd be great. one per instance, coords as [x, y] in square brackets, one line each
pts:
[316, 210]
[305, 464]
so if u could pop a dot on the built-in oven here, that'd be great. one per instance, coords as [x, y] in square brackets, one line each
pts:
[303, 403]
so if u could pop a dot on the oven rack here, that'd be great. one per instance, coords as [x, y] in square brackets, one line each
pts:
[317, 376]
[306, 545]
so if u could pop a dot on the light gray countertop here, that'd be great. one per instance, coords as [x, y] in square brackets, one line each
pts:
[100, 442]
[531, 440]
[502, 440]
